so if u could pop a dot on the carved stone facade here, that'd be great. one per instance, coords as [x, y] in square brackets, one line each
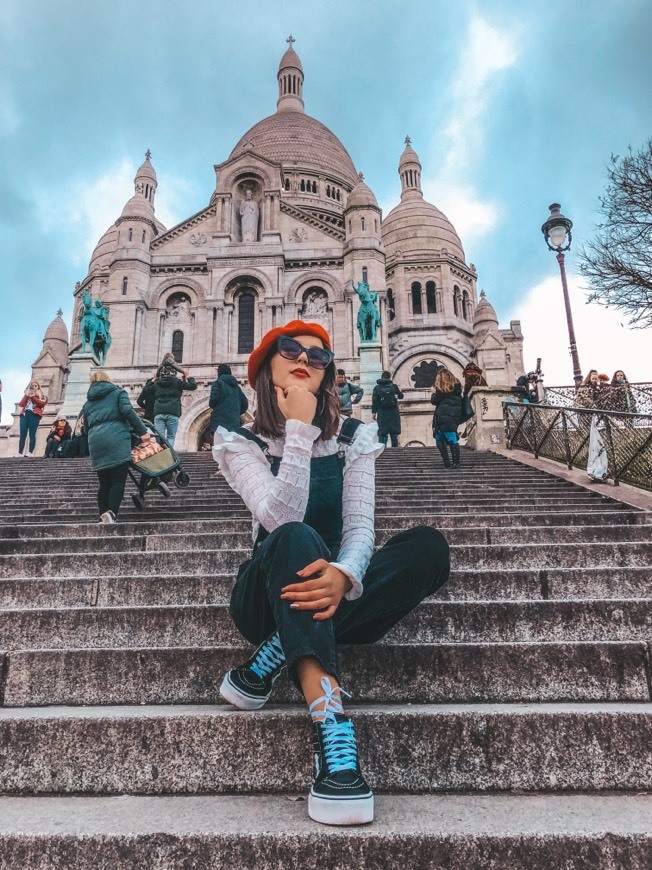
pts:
[290, 226]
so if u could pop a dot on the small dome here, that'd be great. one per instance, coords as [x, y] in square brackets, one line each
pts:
[485, 314]
[57, 330]
[104, 248]
[146, 170]
[138, 206]
[409, 156]
[290, 60]
[361, 195]
[416, 226]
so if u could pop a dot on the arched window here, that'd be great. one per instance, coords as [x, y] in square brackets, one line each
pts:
[456, 303]
[287, 183]
[143, 238]
[362, 223]
[328, 190]
[131, 234]
[431, 299]
[416, 298]
[314, 187]
[364, 274]
[177, 345]
[391, 304]
[423, 376]
[375, 225]
[303, 184]
[338, 196]
[350, 225]
[125, 284]
[465, 305]
[246, 308]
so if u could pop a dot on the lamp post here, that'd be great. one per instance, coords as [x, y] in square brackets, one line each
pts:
[557, 233]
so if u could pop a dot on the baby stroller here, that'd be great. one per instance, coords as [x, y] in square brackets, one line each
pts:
[157, 464]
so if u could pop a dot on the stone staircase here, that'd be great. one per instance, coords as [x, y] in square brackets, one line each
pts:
[505, 723]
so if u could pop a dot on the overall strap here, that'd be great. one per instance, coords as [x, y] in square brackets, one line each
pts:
[347, 432]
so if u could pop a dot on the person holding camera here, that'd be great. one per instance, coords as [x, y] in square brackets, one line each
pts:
[31, 410]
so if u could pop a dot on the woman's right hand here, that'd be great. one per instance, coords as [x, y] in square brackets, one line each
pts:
[297, 403]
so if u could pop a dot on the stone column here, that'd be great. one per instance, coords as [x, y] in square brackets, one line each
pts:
[371, 368]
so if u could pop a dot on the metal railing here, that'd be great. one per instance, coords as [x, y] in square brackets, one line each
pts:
[638, 399]
[562, 434]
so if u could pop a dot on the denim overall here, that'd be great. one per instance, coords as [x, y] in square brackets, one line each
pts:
[410, 566]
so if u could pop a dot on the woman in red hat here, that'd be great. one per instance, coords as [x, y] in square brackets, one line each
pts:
[313, 579]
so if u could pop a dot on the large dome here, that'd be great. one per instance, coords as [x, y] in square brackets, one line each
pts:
[296, 139]
[416, 226]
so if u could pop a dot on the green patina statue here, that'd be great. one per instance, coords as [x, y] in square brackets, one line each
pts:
[95, 326]
[368, 321]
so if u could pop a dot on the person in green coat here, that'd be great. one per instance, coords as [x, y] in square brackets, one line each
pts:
[110, 420]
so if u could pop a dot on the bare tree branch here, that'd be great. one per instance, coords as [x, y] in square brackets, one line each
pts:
[617, 262]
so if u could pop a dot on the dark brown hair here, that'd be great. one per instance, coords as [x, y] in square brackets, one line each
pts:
[270, 422]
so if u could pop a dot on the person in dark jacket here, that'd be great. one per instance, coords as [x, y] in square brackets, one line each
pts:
[349, 394]
[147, 399]
[447, 398]
[110, 420]
[167, 404]
[227, 400]
[384, 409]
[58, 435]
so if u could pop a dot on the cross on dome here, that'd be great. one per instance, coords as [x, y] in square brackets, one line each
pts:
[290, 40]
[408, 141]
[148, 154]
[360, 176]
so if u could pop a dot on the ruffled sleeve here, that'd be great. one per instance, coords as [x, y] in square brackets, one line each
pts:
[358, 504]
[272, 500]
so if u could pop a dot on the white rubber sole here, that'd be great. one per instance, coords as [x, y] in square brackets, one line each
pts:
[234, 696]
[356, 811]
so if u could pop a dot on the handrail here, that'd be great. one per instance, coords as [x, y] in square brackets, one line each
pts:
[562, 434]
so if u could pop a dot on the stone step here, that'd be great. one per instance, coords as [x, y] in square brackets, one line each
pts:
[181, 589]
[383, 673]
[219, 561]
[456, 832]
[416, 749]
[146, 525]
[433, 621]
[541, 535]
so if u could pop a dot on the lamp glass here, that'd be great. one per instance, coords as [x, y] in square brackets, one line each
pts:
[558, 236]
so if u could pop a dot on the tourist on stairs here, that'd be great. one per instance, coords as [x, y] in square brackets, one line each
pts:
[110, 420]
[307, 476]
[31, 410]
[446, 396]
[58, 435]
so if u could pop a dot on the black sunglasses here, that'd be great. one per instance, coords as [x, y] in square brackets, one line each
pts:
[318, 357]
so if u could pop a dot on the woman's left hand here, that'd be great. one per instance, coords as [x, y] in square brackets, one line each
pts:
[323, 591]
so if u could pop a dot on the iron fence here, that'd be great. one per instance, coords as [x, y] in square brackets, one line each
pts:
[562, 434]
[638, 399]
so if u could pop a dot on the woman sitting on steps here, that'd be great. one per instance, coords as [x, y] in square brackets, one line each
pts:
[313, 580]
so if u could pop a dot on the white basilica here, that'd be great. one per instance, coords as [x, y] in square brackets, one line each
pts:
[288, 228]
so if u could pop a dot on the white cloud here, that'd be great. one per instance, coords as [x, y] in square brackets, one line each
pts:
[14, 382]
[603, 339]
[486, 51]
[91, 205]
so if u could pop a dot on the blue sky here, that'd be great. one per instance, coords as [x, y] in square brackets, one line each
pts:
[511, 106]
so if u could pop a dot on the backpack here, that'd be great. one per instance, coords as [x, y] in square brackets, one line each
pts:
[387, 396]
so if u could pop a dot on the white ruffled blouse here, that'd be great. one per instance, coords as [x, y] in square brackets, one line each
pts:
[274, 501]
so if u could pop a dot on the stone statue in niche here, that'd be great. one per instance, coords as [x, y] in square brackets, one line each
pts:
[178, 310]
[249, 213]
[315, 305]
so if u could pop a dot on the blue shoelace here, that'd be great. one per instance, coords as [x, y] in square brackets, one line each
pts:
[340, 749]
[269, 657]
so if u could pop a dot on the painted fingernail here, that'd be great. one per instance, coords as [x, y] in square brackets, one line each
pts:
[294, 605]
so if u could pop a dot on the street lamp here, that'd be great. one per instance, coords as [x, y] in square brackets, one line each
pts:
[557, 233]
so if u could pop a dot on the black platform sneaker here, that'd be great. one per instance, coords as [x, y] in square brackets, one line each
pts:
[249, 686]
[339, 793]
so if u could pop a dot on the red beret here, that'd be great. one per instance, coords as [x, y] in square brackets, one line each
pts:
[268, 343]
